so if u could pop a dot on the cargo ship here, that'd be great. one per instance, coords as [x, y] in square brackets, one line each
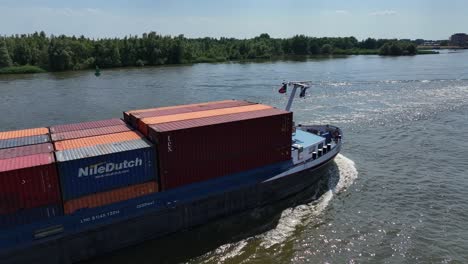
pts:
[72, 192]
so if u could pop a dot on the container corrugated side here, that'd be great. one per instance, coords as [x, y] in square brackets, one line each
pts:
[90, 132]
[110, 197]
[24, 133]
[186, 109]
[143, 123]
[228, 144]
[28, 182]
[23, 141]
[96, 140]
[28, 216]
[26, 150]
[128, 113]
[86, 125]
[100, 168]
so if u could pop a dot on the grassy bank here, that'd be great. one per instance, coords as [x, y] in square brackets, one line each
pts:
[21, 69]
[423, 52]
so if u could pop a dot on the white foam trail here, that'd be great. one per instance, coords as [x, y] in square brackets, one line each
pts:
[293, 217]
[227, 251]
[341, 178]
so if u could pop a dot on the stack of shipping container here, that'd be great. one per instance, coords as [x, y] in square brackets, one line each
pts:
[101, 163]
[201, 142]
[67, 168]
[29, 185]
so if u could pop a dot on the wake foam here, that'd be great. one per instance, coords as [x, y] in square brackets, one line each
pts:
[341, 177]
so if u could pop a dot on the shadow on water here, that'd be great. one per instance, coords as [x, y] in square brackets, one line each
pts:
[186, 245]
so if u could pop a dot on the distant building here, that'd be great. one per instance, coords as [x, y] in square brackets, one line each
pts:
[430, 43]
[459, 39]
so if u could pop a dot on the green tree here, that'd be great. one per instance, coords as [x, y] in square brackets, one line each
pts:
[395, 49]
[60, 55]
[411, 49]
[300, 45]
[22, 52]
[385, 49]
[369, 43]
[5, 60]
[327, 49]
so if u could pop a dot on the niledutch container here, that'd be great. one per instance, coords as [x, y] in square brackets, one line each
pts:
[24, 133]
[110, 197]
[93, 169]
[90, 132]
[86, 125]
[220, 145]
[143, 123]
[134, 117]
[26, 150]
[28, 182]
[128, 113]
[27, 216]
[23, 141]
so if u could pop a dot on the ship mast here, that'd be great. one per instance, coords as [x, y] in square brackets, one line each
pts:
[296, 84]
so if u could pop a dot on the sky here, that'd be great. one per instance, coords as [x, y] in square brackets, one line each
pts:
[411, 19]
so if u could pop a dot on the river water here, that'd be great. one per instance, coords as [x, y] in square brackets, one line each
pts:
[396, 194]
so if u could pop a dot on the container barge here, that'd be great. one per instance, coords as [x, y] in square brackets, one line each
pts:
[72, 192]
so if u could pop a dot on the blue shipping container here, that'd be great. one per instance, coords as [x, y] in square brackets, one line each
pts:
[27, 216]
[99, 168]
[23, 141]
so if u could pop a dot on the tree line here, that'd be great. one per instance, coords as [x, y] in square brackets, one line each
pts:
[59, 53]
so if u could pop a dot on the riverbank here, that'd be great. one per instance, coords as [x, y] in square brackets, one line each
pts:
[28, 69]
[21, 69]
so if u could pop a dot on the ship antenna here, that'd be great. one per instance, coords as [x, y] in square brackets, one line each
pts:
[304, 85]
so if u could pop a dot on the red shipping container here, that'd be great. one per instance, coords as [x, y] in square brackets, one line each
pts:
[185, 109]
[28, 182]
[128, 113]
[110, 197]
[86, 125]
[90, 132]
[199, 149]
[26, 151]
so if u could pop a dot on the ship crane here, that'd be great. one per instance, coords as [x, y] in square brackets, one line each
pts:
[304, 85]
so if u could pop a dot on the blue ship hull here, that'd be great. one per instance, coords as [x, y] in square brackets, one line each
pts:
[93, 232]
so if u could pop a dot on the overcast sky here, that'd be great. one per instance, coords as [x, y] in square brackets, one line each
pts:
[428, 19]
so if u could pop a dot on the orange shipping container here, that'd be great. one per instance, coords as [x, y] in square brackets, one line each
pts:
[24, 133]
[174, 107]
[143, 123]
[97, 140]
[110, 197]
